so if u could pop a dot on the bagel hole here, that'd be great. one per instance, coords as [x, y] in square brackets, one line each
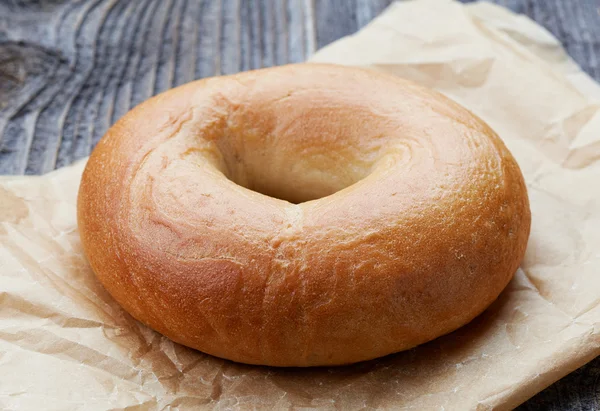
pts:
[306, 178]
[274, 142]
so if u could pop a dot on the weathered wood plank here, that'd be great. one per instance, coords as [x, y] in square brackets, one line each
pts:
[70, 68]
[334, 19]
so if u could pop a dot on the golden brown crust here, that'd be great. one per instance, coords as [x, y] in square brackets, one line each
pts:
[420, 217]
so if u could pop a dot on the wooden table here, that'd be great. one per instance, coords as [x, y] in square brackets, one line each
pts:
[70, 68]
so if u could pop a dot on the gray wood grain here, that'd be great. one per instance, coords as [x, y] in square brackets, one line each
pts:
[70, 68]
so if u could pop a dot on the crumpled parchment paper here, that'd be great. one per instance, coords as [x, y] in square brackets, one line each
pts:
[65, 344]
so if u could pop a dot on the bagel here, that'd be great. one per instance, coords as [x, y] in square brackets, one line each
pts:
[303, 215]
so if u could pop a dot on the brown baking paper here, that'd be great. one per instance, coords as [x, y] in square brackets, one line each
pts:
[65, 344]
